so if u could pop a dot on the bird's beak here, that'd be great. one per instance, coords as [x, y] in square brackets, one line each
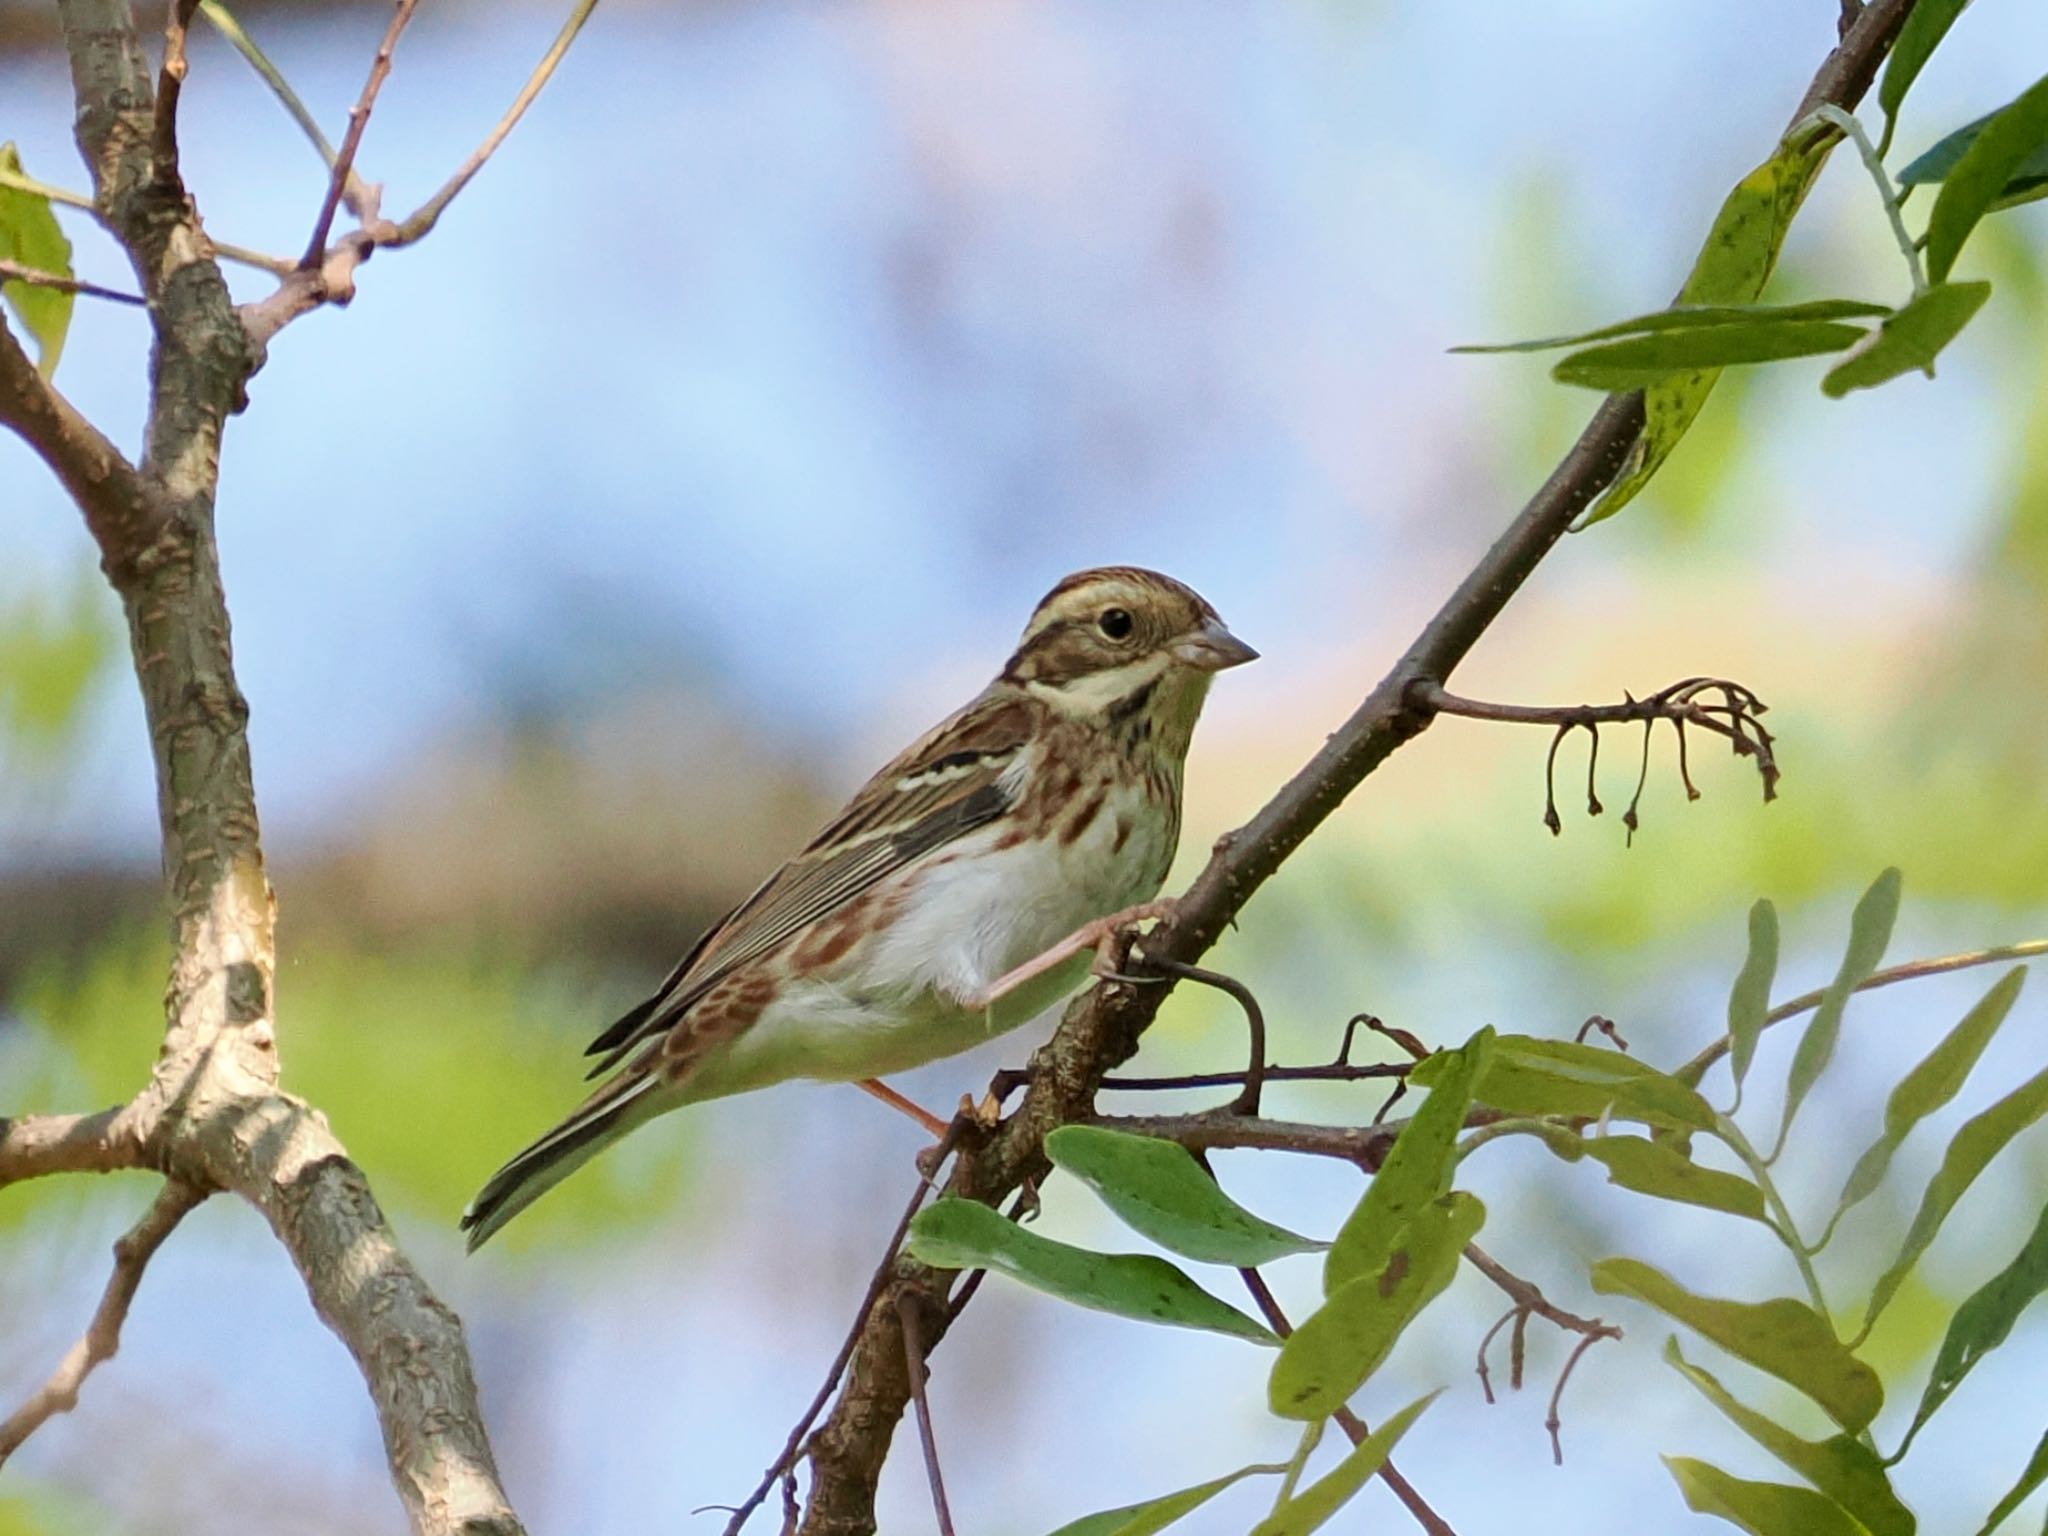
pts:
[1212, 648]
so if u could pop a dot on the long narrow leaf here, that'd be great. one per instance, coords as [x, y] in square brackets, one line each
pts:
[1635, 362]
[1733, 264]
[1660, 1169]
[1979, 179]
[1909, 340]
[1937, 1079]
[1338, 1347]
[1981, 1323]
[1841, 1466]
[1981, 1139]
[1310, 1509]
[1870, 930]
[1686, 317]
[1787, 1338]
[1155, 1515]
[1531, 1076]
[1762, 1509]
[2035, 1474]
[1749, 1000]
[964, 1234]
[1159, 1189]
[1925, 27]
[1417, 1168]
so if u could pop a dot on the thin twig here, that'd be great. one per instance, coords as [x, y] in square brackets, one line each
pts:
[1687, 702]
[230, 27]
[1353, 1426]
[1247, 1100]
[15, 272]
[170, 86]
[907, 1304]
[792, 1448]
[1912, 970]
[358, 120]
[1529, 1301]
[1325, 1072]
[429, 212]
[103, 1334]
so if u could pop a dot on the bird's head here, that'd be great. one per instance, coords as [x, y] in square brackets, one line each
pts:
[1112, 642]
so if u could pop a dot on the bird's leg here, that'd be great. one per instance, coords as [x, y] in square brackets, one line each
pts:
[1096, 936]
[895, 1100]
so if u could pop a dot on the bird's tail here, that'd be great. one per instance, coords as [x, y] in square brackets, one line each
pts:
[600, 1120]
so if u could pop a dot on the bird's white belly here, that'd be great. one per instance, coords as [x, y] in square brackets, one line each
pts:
[968, 920]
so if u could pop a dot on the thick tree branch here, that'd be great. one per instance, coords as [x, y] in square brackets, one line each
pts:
[1100, 1030]
[213, 1115]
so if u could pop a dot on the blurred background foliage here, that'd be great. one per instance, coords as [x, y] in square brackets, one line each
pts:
[720, 440]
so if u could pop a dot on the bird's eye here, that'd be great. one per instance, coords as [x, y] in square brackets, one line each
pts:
[1115, 623]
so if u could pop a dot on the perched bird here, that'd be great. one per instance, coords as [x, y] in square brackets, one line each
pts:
[1050, 801]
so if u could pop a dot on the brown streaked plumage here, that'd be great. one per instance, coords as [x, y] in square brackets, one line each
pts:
[1051, 800]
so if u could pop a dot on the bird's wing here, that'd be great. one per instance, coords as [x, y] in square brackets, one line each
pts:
[940, 788]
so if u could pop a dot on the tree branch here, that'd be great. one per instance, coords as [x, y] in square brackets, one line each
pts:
[103, 1334]
[212, 1115]
[1101, 1029]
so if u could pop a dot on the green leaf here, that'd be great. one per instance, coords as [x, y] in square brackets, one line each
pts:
[1157, 1514]
[1639, 361]
[1784, 1337]
[2035, 1474]
[1764, 1509]
[1909, 340]
[1732, 267]
[1417, 1169]
[30, 234]
[1842, 1467]
[1530, 1076]
[1338, 1347]
[2027, 183]
[1159, 1189]
[1981, 1139]
[1938, 1078]
[1656, 1168]
[1998, 152]
[1310, 1509]
[1870, 930]
[1925, 27]
[1981, 1323]
[1683, 317]
[1749, 1000]
[964, 1234]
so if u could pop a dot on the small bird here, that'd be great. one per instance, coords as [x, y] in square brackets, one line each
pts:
[1048, 803]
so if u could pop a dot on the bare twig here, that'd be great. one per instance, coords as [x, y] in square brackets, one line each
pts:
[326, 273]
[1528, 1302]
[908, 1303]
[230, 27]
[351, 141]
[1247, 1100]
[1216, 1130]
[170, 84]
[428, 214]
[1354, 1427]
[1911, 970]
[792, 1448]
[103, 1334]
[1691, 701]
[15, 272]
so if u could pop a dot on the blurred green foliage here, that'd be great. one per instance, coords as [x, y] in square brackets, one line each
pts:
[55, 643]
[431, 1065]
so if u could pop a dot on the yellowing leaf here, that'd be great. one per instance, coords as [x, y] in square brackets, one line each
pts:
[30, 235]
